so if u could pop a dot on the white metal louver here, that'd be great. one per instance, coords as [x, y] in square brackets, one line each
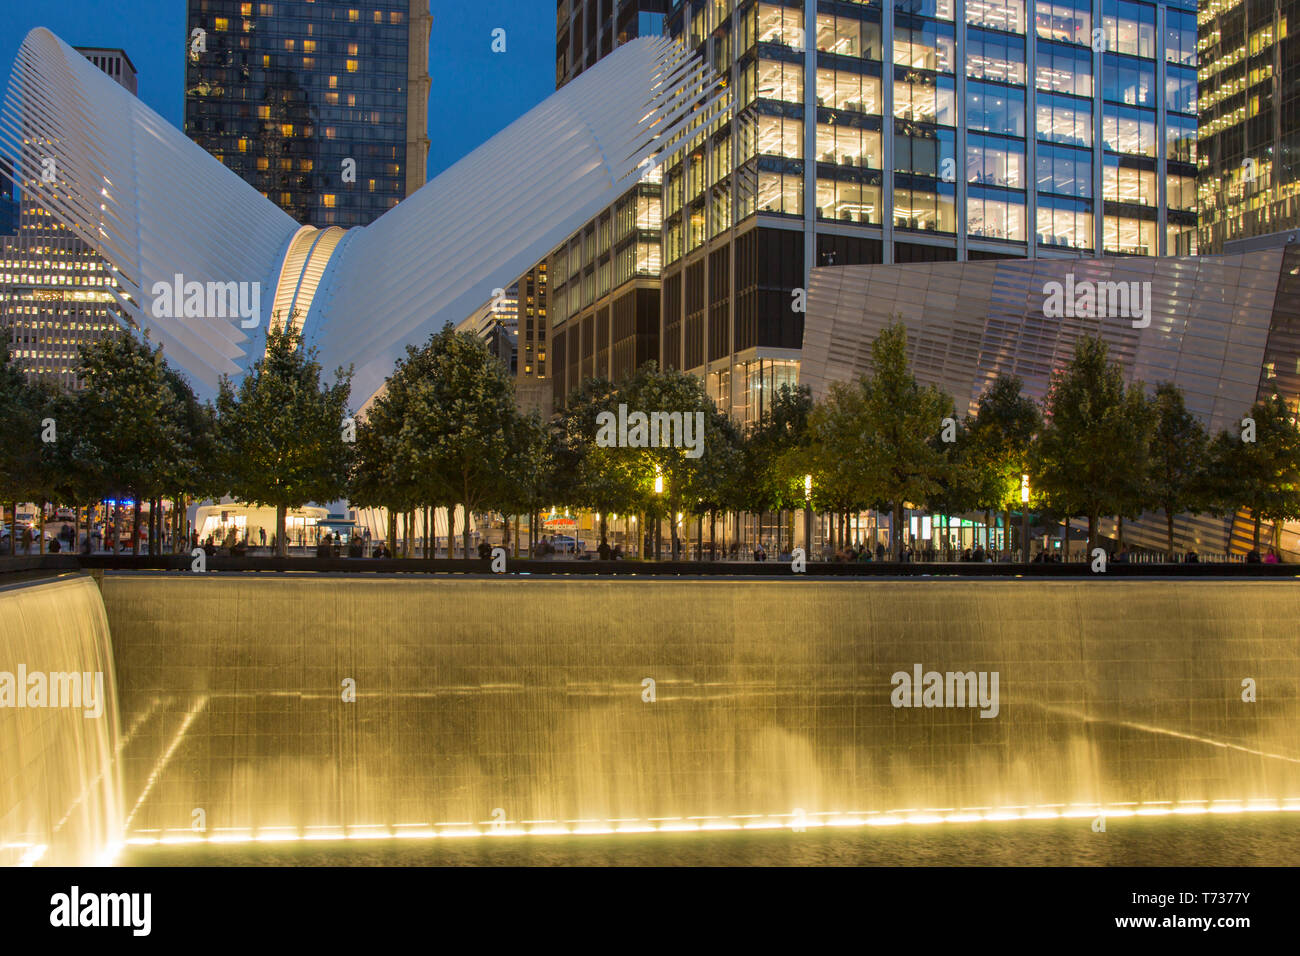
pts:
[156, 205]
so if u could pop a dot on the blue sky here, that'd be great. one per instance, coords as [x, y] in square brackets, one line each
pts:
[475, 92]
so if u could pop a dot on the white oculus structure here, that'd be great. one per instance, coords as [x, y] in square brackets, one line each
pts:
[157, 206]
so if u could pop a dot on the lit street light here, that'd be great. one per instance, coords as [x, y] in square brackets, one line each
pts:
[1024, 515]
[807, 516]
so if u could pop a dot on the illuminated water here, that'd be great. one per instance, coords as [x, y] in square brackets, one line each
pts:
[258, 709]
[1244, 840]
[60, 801]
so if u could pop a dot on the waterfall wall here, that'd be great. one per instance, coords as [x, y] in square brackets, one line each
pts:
[60, 798]
[264, 704]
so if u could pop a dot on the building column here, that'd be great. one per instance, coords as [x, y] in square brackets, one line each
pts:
[809, 140]
[887, 131]
[959, 148]
[1098, 203]
[1162, 137]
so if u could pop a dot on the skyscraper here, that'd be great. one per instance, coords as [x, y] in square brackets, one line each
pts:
[1250, 120]
[54, 294]
[320, 104]
[604, 282]
[914, 130]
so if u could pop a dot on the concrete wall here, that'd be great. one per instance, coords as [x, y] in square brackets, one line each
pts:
[525, 696]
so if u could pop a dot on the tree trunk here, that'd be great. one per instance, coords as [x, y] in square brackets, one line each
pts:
[895, 532]
[117, 525]
[76, 529]
[604, 529]
[135, 526]
[391, 532]
[1169, 528]
[1092, 533]
[40, 528]
[281, 537]
[465, 532]
[1255, 545]
[1065, 539]
[699, 538]
[1119, 533]
[13, 528]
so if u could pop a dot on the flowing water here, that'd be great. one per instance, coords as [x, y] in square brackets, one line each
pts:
[60, 796]
[363, 719]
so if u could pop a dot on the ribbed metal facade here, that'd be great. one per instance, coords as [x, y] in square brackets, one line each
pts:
[156, 206]
[1219, 329]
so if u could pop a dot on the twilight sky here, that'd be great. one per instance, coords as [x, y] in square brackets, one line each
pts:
[475, 92]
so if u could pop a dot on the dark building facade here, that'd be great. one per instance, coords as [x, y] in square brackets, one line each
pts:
[586, 30]
[8, 199]
[321, 106]
[1250, 119]
[604, 282]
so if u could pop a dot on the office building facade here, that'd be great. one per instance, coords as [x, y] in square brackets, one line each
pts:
[914, 131]
[321, 106]
[1249, 97]
[54, 288]
[604, 282]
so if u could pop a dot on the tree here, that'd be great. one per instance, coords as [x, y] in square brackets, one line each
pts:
[1001, 434]
[902, 458]
[1178, 463]
[1096, 438]
[836, 438]
[22, 453]
[129, 424]
[773, 452]
[604, 479]
[280, 433]
[462, 420]
[687, 480]
[1259, 469]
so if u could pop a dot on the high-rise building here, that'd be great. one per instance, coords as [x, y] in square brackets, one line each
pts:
[54, 294]
[1249, 97]
[586, 30]
[910, 131]
[319, 104]
[532, 295]
[604, 282]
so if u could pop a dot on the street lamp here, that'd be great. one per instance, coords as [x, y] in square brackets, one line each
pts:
[1024, 515]
[659, 490]
[807, 516]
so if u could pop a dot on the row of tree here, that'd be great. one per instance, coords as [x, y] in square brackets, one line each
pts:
[445, 432]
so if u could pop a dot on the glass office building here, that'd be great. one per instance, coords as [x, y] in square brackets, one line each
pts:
[913, 131]
[604, 297]
[1249, 149]
[287, 92]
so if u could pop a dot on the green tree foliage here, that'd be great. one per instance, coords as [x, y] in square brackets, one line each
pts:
[1096, 439]
[775, 452]
[1176, 478]
[1261, 475]
[603, 479]
[23, 455]
[902, 457]
[280, 432]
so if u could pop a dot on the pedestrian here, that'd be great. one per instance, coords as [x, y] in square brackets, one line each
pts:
[261, 534]
[1271, 557]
